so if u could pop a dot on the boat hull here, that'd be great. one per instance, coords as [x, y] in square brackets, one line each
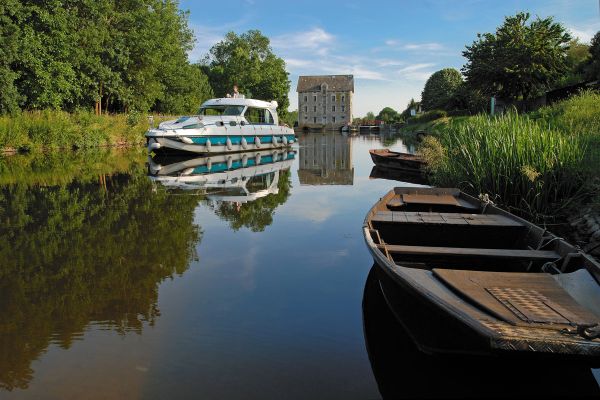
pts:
[220, 144]
[397, 161]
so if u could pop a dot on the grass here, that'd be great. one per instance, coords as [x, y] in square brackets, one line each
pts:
[50, 129]
[521, 164]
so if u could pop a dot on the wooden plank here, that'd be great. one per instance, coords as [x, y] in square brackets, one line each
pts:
[518, 298]
[515, 254]
[445, 218]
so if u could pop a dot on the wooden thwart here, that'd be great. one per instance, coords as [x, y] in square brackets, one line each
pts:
[444, 218]
[533, 255]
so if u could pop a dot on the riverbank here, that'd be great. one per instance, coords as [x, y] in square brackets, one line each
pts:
[53, 130]
[540, 165]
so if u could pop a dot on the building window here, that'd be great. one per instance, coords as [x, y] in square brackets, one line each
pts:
[315, 99]
[306, 117]
[324, 120]
[305, 99]
[343, 98]
[333, 97]
[315, 120]
[305, 109]
[333, 108]
[314, 108]
[333, 119]
[343, 116]
[343, 108]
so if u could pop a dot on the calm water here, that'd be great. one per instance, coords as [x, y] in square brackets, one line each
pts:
[114, 284]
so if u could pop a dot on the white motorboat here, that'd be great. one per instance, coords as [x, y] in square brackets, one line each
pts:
[224, 125]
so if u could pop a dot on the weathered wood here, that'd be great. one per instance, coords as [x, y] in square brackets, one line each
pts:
[519, 298]
[444, 218]
[515, 254]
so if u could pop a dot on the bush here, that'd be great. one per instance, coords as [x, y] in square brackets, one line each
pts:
[428, 116]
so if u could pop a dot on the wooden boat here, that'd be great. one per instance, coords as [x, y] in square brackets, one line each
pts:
[394, 160]
[464, 276]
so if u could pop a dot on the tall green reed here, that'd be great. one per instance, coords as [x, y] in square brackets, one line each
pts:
[524, 166]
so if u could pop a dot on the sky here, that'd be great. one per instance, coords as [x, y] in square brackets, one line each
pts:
[391, 47]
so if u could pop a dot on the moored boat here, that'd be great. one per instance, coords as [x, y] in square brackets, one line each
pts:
[464, 276]
[385, 158]
[224, 125]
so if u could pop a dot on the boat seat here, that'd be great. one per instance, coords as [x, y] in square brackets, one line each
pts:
[429, 199]
[518, 298]
[509, 254]
[441, 218]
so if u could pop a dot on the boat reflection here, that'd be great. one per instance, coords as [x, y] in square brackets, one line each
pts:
[325, 159]
[403, 371]
[242, 188]
[396, 175]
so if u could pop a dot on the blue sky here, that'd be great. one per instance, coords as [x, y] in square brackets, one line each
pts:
[391, 47]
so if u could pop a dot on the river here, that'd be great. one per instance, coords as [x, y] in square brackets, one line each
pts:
[118, 280]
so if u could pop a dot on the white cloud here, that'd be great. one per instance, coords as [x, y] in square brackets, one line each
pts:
[585, 32]
[415, 67]
[315, 40]
[399, 45]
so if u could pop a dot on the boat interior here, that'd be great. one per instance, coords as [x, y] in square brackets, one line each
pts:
[497, 260]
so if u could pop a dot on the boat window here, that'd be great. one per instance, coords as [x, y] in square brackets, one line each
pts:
[260, 182]
[259, 116]
[229, 110]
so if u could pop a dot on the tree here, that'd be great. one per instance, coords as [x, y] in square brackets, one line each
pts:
[592, 70]
[440, 89]
[412, 104]
[248, 61]
[370, 116]
[519, 60]
[388, 115]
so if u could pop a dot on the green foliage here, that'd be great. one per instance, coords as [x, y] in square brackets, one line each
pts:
[258, 214]
[577, 117]
[440, 89]
[86, 251]
[428, 116]
[389, 115]
[412, 104]
[519, 60]
[59, 129]
[578, 56]
[592, 70]
[521, 164]
[120, 55]
[291, 118]
[248, 61]
[370, 116]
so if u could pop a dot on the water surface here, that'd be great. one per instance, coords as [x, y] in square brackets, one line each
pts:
[117, 283]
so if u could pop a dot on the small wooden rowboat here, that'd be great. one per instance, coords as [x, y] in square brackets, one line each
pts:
[464, 276]
[398, 161]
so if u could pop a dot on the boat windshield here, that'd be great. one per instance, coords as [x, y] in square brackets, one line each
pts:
[221, 110]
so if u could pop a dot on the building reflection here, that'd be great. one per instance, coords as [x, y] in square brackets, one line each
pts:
[325, 159]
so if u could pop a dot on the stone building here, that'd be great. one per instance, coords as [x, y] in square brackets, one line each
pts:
[325, 101]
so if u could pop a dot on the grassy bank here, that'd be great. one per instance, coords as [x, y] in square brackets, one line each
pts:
[537, 165]
[50, 129]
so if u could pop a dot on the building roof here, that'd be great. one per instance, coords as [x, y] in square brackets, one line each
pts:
[339, 83]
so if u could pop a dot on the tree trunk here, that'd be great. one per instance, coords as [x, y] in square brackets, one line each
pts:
[100, 101]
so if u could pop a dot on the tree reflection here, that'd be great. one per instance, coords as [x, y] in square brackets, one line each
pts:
[91, 250]
[255, 215]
